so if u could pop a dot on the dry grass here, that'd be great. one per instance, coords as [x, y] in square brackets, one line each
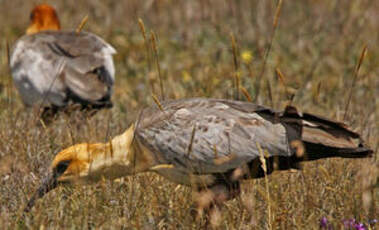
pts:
[316, 46]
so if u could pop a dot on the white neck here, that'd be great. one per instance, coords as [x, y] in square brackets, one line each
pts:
[120, 157]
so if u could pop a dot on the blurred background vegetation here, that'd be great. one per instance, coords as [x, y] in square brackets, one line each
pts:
[316, 47]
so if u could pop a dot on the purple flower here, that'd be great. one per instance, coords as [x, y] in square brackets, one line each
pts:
[323, 222]
[350, 223]
[359, 226]
[373, 221]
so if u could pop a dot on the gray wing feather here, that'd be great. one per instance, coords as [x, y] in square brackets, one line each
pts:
[35, 61]
[223, 129]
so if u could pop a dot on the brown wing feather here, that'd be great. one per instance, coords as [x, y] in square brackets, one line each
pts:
[324, 137]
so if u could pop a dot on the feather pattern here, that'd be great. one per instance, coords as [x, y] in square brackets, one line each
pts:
[55, 67]
[207, 139]
[222, 129]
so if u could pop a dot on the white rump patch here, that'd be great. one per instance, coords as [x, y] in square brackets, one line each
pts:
[309, 124]
[182, 113]
[221, 106]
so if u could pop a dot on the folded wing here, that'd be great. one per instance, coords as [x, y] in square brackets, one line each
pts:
[56, 67]
[203, 136]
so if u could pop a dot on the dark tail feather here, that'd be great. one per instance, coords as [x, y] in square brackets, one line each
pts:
[318, 151]
[323, 138]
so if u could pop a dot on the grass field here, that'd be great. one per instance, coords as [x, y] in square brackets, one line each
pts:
[202, 47]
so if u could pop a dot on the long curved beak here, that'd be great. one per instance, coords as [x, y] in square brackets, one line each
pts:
[48, 183]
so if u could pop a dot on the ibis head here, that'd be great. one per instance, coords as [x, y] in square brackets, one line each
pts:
[43, 17]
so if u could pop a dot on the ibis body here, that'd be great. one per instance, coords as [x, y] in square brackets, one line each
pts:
[207, 143]
[54, 68]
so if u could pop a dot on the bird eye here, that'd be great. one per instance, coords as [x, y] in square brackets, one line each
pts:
[62, 166]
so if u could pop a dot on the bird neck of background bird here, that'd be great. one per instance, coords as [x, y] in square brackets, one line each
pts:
[47, 23]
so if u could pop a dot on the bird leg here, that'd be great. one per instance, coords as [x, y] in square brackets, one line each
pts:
[209, 200]
[48, 114]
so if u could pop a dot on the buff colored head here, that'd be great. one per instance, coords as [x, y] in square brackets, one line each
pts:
[89, 163]
[43, 17]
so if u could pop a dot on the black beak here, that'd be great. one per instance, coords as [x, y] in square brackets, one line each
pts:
[48, 184]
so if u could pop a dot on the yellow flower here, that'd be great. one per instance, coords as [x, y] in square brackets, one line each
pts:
[246, 56]
[186, 76]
